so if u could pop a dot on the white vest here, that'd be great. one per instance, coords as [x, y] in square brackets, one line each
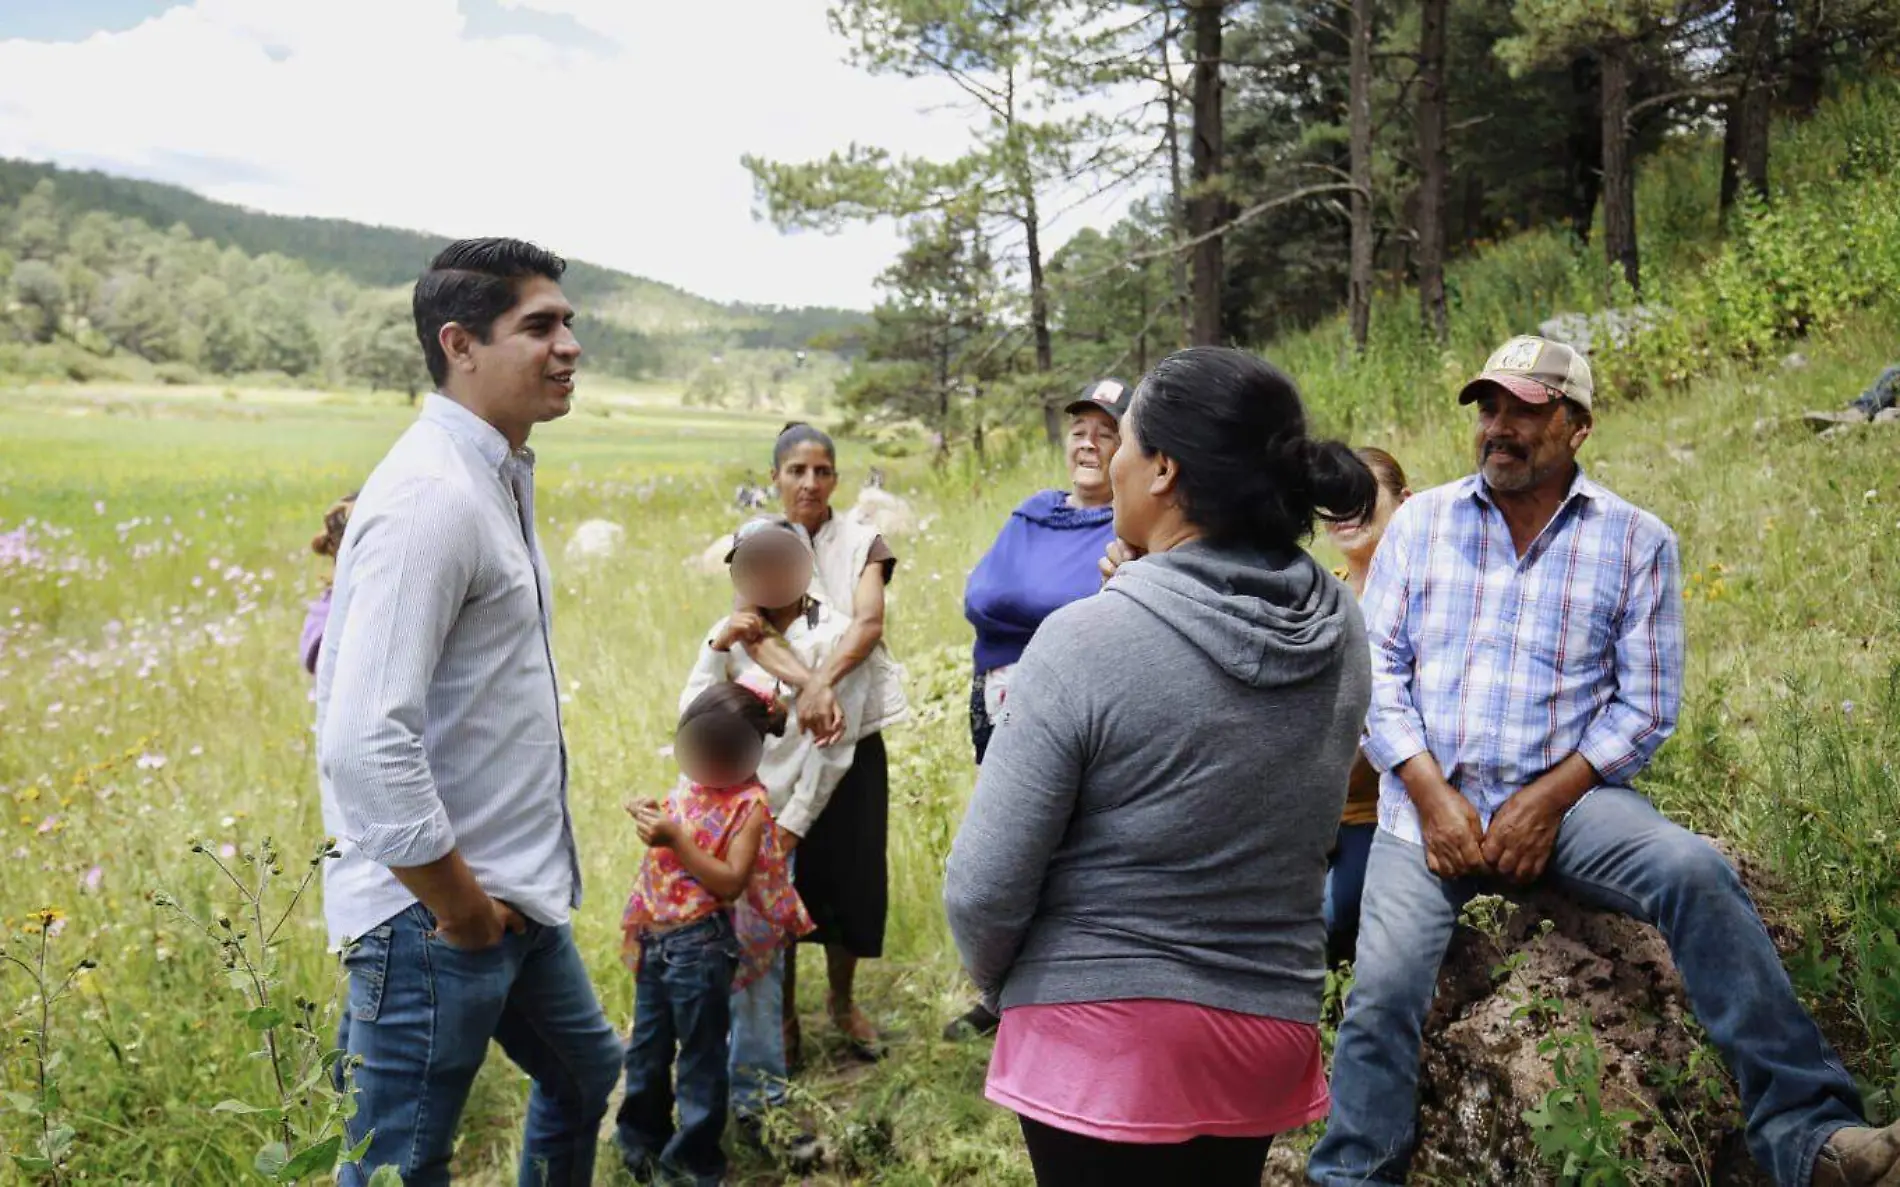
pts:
[843, 548]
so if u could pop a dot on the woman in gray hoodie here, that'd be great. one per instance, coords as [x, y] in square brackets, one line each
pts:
[1137, 884]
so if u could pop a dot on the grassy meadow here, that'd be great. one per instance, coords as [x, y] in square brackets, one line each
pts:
[150, 697]
[155, 725]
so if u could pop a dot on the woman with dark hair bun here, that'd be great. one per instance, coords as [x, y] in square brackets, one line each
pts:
[1137, 885]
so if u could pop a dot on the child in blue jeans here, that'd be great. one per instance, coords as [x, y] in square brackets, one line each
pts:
[711, 906]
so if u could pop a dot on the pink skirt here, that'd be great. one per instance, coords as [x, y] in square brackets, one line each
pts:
[1153, 1072]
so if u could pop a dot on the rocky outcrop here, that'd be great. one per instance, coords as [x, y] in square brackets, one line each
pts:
[1546, 982]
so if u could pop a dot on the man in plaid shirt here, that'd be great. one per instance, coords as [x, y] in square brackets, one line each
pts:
[1527, 652]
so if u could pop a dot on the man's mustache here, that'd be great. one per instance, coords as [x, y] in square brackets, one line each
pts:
[1506, 448]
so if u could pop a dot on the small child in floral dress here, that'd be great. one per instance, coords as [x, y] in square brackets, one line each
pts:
[712, 905]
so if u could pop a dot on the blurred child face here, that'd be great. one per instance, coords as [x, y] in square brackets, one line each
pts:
[772, 571]
[710, 770]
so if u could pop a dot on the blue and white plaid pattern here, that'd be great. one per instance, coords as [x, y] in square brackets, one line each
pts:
[1502, 666]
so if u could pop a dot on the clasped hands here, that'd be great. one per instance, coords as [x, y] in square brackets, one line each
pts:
[1517, 846]
[819, 713]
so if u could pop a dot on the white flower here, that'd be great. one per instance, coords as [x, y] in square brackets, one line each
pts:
[152, 762]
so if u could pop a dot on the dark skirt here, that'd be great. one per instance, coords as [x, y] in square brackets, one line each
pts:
[840, 868]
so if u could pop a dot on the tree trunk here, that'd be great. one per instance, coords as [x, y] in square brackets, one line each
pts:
[1207, 209]
[1807, 60]
[1141, 311]
[1619, 179]
[1584, 146]
[1746, 123]
[1039, 318]
[1433, 165]
[1359, 282]
[1177, 205]
[1038, 289]
[943, 403]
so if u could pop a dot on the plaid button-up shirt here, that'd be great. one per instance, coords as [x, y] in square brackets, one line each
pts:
[1501, 666]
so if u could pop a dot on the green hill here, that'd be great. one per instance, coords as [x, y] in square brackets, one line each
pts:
[633, 326]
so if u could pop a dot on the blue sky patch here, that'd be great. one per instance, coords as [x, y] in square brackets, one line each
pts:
[74, 20]
[487, 18]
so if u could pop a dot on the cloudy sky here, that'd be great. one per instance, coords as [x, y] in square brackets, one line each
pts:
[610, 130]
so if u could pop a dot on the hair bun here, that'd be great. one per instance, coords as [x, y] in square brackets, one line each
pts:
[1290, 459]
[1342, 485]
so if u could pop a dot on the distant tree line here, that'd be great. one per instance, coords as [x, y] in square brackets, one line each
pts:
[95, 268]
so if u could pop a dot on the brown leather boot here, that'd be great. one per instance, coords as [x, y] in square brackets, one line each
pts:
[1860, 1156]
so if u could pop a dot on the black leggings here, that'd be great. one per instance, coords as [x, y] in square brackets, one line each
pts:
[1064, 1159]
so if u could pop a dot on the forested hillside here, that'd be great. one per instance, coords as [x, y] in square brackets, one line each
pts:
[106, 276]
[1292, 160]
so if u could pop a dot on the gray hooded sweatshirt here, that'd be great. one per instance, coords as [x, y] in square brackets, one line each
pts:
[1153, 816]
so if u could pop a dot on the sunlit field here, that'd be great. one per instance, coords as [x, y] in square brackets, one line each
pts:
[154, 569]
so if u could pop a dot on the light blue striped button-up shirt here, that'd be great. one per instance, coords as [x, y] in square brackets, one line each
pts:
[1502, 665]
[438, 711]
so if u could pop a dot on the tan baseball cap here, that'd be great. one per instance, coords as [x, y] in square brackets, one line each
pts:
[1535, 370]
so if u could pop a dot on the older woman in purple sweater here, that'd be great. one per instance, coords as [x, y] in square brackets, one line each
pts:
[1044, 558]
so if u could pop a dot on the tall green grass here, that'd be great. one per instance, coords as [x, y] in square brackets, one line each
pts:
[149, 691]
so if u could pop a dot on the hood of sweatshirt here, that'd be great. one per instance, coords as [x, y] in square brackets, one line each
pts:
[1050, 509]
[1267, 619]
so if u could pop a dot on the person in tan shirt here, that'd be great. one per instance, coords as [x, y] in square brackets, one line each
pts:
[1346, 872]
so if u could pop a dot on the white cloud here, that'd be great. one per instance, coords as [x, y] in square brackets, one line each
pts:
[622, 148]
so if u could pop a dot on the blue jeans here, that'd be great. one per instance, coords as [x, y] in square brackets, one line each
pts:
[1881, 395]
[682, 1008]
[1345, 884]
[758, 1044]
[1617, 852]
[421, 1014]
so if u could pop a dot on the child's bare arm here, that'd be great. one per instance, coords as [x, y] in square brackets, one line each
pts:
[727, 877]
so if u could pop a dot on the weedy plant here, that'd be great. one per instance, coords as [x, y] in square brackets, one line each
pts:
[49, 1135]
[301, 1122]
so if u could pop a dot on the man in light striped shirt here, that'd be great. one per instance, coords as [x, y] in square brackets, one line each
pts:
[1527, 661]
[440, 752]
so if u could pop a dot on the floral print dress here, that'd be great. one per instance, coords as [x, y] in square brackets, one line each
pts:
[666, 896]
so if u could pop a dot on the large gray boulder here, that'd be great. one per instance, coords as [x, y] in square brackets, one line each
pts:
[1588, 331]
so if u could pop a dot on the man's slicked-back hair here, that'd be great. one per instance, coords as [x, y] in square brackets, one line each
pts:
[471, 283]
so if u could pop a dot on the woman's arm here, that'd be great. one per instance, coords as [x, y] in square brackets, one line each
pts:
[866, 630]
[771, 652]
[820, 713]
[1025, 797]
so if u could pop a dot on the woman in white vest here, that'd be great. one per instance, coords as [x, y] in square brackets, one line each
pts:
[841, 871]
